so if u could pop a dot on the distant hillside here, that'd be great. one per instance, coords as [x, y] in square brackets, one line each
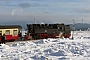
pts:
[79, 26]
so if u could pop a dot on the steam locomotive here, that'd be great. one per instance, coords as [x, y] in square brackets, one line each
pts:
[41, 31]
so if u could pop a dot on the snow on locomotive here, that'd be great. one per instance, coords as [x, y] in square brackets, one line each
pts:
[40, 31]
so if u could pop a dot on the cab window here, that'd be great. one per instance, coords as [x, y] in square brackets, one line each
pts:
[59, 28]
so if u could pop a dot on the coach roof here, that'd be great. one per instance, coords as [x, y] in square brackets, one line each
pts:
[10, 26]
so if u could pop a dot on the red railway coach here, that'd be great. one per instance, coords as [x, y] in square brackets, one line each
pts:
[39, 31]
[10, 31]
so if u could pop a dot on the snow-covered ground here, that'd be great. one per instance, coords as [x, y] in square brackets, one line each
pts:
[51, 49]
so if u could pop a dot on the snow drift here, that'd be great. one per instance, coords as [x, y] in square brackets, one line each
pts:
[53, 49]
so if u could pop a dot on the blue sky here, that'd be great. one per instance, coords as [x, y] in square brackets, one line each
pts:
[46, 11]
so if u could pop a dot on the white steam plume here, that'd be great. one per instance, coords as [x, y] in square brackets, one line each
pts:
[18, 11]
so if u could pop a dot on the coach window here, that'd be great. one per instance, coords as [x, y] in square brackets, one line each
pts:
[14, 32]
[7, 32]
